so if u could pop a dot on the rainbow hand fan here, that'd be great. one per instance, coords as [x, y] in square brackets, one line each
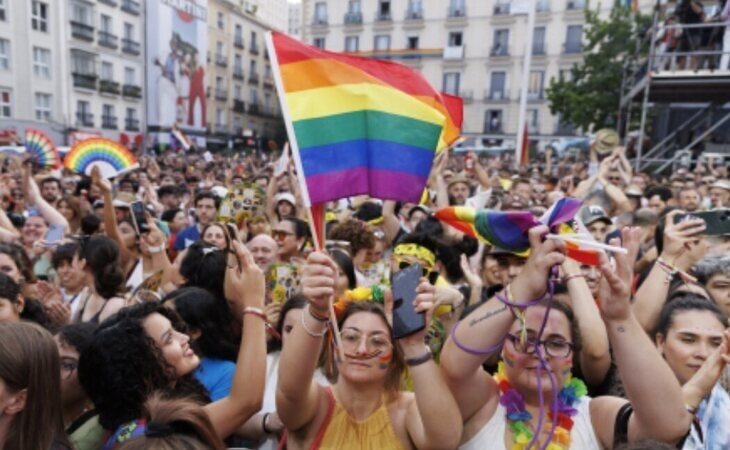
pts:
[111, 157]
[40, 146]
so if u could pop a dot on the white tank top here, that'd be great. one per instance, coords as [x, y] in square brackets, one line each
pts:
[491, 436]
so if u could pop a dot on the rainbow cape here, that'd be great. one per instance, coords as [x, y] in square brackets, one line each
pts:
[358, 125]
[38, 144]
[508, 229]
[111, 157]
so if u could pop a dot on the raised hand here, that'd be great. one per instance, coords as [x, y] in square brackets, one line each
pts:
[702, 382]
[683, 245]
[244, 284]
[615, 286]
[425, 302]
[531, 283]
[102, 183]
[318, 281]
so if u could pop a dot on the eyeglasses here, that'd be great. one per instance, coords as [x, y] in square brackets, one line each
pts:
[351, 339]
[431, 275]
[280, 235]
[555, 347]
[68, 368]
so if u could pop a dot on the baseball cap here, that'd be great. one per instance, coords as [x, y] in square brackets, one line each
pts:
[285, 197]
[593, 213]
[634, 191]
[721, 184]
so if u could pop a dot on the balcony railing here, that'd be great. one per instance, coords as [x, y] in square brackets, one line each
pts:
[253, 78]
[84, 119]
[319, 21]
[414, 14]
[239, 106]
[254, 108]
[82, 31]
[109, 2]
[495, 127]
[467, 96]
[268, 82]
[383, 16]
[353, 18]
[572, 47]
[108, 40]
[131, 124]
[132, 91]
[454, 52]
[131, 47]
[495, 95]
[109, 87]
[221, 60]
[499, 50]
[238, 73]
[501, 9]
[535, 96]
[254, 50]
[238, 42]
[84, 80]
[221, 94]
[131, 7]
[457, 11]
[109, 122]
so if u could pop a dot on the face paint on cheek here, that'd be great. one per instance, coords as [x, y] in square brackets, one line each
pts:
[508, 357]
[384, 361]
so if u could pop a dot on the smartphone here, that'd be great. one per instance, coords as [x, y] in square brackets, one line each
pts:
[406, 320]
[54, 234]
[717, 221]
[139, 218]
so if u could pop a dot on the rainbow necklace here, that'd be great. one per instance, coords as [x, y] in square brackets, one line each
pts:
[519, 417]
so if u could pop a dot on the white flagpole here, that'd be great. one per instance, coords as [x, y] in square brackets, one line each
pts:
[526, 65]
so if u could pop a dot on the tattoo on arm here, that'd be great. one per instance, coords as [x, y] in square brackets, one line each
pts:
[488, 315]
[620, 329]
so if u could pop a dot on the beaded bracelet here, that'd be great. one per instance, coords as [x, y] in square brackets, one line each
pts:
[672, 271]
[306, 328]
[260, 314]
[316, 316]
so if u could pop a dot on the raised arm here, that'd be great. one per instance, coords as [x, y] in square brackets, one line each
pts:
[33, 197]
[244, 290]
[391, 224]
[110, 216]
[651, 387]
[594, 357]
[486, 327]
[297, 394]
[704, 380]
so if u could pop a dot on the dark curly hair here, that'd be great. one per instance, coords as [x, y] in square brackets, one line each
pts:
[17, 253]
[203, 312]
[102, 259]
[122, 367]
[204, 265]
[358, 233]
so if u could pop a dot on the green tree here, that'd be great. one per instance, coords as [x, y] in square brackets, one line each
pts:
[590, 98]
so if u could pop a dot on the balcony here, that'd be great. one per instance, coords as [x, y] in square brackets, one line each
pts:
[496, 95]
[82, 31]
[84, 80]
[239, 106]
[499, 50]
[221, 94]
[131, 124]
[575, 5]
[238, 73]
[383, 16]
[535, 96]
[319, 21]
[84, 119]
[108, 87]
[454, 52]
[501, 9]
[572, 48]
[414, 14]
[131, 7]
[238, 42]
[254, 108]
[109, 2]
[254, 50]
[130, 47]
[253, 78]
[132, 91]
[108, 40]
[268, 83]
[467, 96]
[109, 122]
[353, 18]
[457, 11]
[221, 60]
[494, 127]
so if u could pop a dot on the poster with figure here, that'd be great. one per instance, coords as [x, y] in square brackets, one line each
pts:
[177, 43]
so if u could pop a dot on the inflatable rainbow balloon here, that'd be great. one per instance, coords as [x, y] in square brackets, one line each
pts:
[40, 146]
[111, 157]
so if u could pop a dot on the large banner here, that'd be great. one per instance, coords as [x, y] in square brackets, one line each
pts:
[177, 44]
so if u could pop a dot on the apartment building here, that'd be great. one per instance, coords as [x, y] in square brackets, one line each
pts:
[106, 65]
[470, 48]
[241, 93]
[295, 20]
[32, 69]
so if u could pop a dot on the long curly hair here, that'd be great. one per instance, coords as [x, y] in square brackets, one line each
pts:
[123, 366]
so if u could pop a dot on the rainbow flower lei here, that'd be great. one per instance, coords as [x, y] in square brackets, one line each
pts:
[518, 416]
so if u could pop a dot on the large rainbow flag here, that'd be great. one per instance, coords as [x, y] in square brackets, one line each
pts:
[358, 125]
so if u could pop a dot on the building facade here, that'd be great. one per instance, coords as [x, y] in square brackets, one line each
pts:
[242, 99]
[470, 48]
[295, 20]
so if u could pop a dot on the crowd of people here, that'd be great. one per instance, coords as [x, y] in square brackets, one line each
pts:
[205, 319]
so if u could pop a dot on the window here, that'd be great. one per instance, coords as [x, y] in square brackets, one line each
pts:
[42, 63]
[384, 10]
[415, 9]
[237, 92]
[130, 77]
[455, 39]
[238, 34]
[42, 106]
[107, 71]
[534, 87]
[106, 23]
[237, 63]
[81, 13]
[493, 121]
[6, 107]
[538, 41]
[82, 62]
[267, 72]
[353, 7]
[497, 86]
[221, 21]
[83, 107]
[565, 74]
[253, 39]
[412, 42]
[39, 16]
[220, 117]
[218, 83]
[83, 114]
[351, 43]
[573, 39]
[219, 48]
[3, 8]
[267, 101]
[532, 121]
[128, 31]
[131, 115]
[108, 110]
[451, 83]
[318, 42]
[254, 96]
[456, 8]
[320, 13]
[4, 54]
[501, 43]
[382, 42]
[252, 67]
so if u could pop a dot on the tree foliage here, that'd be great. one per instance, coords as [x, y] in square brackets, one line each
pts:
[590, 98]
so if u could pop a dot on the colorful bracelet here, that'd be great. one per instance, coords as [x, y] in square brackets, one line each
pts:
[472, 350]
[310, 332]
[418, 360]
[260, 314]
[316, 316]
[672, 271]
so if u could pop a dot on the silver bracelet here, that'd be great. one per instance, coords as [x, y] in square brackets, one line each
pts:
[306, 328]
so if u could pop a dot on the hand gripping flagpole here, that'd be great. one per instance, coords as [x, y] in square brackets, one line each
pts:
[314, 212]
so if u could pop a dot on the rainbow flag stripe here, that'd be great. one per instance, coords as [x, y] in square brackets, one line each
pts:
[105, 152]
[361, 125]
[38, 144]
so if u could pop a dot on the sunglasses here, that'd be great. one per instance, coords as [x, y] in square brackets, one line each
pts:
[280, 235]
[431, 275]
